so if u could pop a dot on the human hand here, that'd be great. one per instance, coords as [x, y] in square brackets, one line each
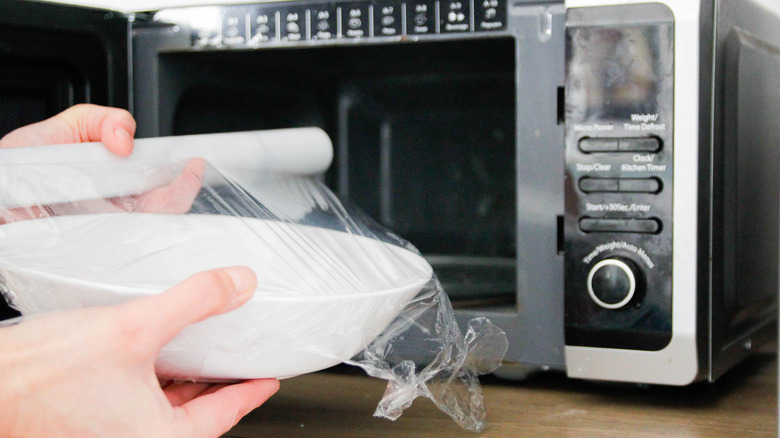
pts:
[78, 124]
[90, 372]
[115, 128]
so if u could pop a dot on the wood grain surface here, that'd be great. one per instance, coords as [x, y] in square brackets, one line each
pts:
[340, 403]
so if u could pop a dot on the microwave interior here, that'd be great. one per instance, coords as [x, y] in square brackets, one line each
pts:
[423, 135]
[64, 70]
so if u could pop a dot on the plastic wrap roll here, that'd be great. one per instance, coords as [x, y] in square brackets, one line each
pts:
[67, 173]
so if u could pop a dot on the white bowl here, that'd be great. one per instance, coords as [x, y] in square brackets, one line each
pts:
[322, 297]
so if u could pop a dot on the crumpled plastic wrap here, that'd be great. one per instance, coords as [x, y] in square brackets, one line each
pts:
[83, 228]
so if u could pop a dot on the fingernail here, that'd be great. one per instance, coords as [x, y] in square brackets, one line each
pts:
[243, 281]
[123, 137]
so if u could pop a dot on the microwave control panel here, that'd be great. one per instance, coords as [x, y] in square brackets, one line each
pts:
[259, 24]
[618, 187]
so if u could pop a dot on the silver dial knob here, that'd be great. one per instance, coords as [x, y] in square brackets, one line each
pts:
[612, 283]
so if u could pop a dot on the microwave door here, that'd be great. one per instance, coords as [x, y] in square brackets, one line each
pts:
[54, 56]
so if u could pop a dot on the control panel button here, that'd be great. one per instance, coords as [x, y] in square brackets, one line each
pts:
[627, 185]
[589, 145]
[324, 22]
[387, 19]
[489, 14]
[421, 17]
[589, 185]
[642, 144]
[292, 24]
[639, 185]
[609, 225]
[612, 283]
[262, 25]
[355, 20]
[234, 27]
[455, 16]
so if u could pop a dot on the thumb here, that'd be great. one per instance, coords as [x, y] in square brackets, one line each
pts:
[80, 123]
[203, 295]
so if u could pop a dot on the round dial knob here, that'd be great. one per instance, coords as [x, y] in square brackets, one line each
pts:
[612, 283]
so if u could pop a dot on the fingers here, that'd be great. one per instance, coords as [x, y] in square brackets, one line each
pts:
[204, 294]
[113, 126]
[179, 393]
[177, 197]
[81, 123]
[214, 413]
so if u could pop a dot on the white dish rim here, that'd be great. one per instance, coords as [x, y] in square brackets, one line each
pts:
[139, 292]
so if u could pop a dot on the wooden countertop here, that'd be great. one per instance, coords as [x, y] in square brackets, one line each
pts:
[341, 403]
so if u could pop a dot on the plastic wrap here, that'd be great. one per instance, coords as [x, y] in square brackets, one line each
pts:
[84, 228]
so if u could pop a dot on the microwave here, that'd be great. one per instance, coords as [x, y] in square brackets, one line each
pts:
[598, 177]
